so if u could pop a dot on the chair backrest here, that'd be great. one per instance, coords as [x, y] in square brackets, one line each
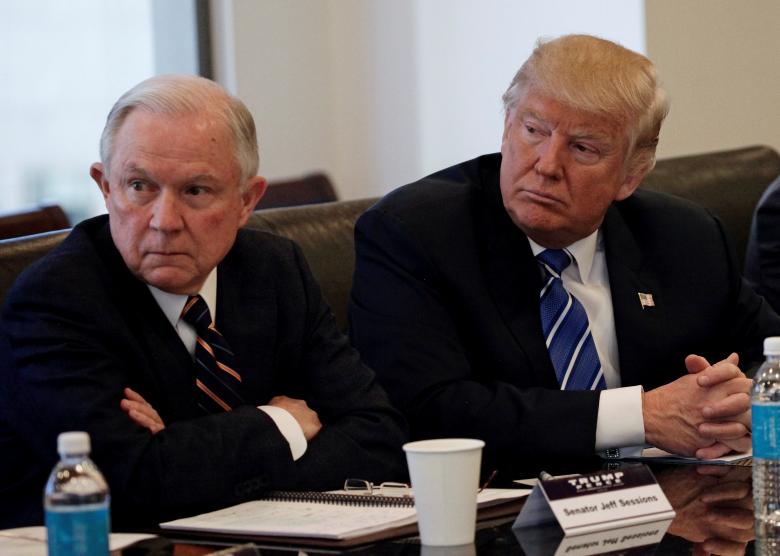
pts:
[310, 189]
[324, 232]
[729, 183]
[326, 236]
[16, 254]
[44, 218]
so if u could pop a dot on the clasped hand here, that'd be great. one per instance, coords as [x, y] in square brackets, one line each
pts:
[143, 414]
[704, 414]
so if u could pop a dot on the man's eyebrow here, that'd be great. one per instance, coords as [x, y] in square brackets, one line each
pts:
[599, 134]
[206, 177]
[135, 169]
[528, 113]
[593, 134]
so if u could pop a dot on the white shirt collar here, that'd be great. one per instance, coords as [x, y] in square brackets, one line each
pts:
[172, 303]
[583, 251]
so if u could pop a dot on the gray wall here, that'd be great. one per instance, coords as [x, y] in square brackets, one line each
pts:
[720, 62]
[381, 92]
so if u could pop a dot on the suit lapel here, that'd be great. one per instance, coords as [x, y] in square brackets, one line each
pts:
[169, 384]
[246, 317]
[513, 279]
[640, 329]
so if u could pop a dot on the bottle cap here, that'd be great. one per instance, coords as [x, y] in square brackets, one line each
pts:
[772, 345]
[69, 443]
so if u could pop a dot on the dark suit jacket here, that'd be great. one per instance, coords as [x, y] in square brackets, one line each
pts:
[78, 328]
[445, 308]
[762, 260]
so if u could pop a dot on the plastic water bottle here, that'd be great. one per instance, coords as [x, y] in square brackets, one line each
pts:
[765, 406]
[76, 501]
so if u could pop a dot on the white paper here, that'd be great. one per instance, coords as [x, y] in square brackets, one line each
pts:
[312, 519]
[31, 541]
[659, 456]
[296, 519]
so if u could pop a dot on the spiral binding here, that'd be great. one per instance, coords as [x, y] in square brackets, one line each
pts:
[338, 498]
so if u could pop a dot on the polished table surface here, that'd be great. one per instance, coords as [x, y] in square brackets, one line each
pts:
[713, 504]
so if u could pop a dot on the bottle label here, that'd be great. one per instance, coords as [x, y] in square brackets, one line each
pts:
[766, 430]
[77, 530]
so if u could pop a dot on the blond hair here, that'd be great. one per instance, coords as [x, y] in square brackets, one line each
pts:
[601, 77]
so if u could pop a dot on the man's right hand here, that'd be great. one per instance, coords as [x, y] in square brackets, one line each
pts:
[706, 413]
[307, 418]
[141, 412]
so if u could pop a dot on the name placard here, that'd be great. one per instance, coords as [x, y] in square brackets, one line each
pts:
[597, 502]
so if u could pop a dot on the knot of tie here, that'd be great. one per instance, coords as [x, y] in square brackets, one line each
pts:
[555, 260]
[197, 313]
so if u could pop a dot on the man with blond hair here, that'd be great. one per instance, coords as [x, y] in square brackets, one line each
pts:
[201, 357]
[537, 300]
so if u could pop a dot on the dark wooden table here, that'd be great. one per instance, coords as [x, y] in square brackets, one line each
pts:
[714, 516]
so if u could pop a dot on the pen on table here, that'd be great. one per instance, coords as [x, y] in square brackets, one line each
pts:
[489, 479]
[545, 476]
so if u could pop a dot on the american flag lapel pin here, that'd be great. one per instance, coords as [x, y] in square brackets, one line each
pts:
[646, 300]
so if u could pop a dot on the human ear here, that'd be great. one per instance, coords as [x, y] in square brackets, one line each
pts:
[98, 174]
[253, 191]
[629, 185]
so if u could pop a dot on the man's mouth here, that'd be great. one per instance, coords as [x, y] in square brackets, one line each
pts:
[165, 253]
[541, 197]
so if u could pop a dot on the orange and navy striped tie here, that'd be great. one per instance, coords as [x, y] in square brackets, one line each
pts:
[218, 384]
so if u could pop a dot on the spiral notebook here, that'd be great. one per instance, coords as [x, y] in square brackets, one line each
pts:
[334, 515]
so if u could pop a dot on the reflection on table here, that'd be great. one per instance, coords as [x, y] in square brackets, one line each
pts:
[713, 503]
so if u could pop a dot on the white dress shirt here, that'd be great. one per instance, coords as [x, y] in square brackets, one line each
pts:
[172, 305]
[620, 423]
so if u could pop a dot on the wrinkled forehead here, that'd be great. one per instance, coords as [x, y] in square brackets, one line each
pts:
[144, 128]
[560, 114]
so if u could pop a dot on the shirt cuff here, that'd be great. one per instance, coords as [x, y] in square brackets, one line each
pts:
[289, 427]
[620, 422]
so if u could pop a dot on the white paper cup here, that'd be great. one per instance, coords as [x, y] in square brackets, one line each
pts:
[445, 480]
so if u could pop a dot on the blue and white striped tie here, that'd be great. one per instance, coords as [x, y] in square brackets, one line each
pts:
[566, 328]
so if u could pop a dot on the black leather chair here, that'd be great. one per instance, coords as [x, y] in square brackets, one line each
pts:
[729, 183]
[326, 235]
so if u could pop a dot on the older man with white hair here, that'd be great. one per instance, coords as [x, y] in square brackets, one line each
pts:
[200, 356]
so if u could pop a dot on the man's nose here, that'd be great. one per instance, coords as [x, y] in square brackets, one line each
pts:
[166, 216]
[550, 154]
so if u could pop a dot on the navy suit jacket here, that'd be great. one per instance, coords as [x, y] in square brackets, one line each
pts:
[445, 309]
[78, 327]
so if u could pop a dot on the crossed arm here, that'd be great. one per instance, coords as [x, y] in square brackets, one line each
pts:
[143, 414]
[706, 413]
